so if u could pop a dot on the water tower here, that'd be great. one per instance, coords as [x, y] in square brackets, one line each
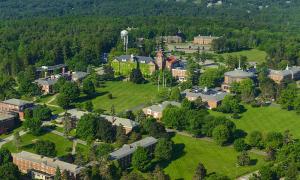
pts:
[124, 36]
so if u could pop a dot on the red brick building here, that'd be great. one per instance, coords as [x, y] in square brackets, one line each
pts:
[16, 106]
[43, 167]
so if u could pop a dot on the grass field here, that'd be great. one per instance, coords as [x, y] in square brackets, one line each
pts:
[253, 55]
[28, 141]
[126, 95]
[215, 158]
[266, 119]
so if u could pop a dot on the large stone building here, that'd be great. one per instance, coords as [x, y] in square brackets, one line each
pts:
[170, 39]
[16, 106]
[124, 154]
[213, 97]
[157, 109]
[40, 167]
[290, 73]
[204, 40]
[236, 75]
[47, 84]
[7, 122]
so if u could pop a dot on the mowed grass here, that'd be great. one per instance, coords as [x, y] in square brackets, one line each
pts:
[254, 55]
[126, 95]
[28, 141]
[215, 158]
[266, 119]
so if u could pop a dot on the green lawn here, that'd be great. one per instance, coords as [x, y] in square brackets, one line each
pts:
[215, 158]
[267, 119]
[126, 95]
[253, 55]
[28, 141]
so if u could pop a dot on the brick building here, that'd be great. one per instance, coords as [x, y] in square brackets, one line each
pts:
[290, 73]
[170, 39]
[127, 124]
[16, 106]
[40, 167]
[235, 76]
[157, 109]
[7, 122]
[124, 154]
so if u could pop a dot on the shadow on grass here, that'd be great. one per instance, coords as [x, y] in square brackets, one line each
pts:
[87, 98]
[239, 133]
[28, 146]
[253, 162]
[178, 152]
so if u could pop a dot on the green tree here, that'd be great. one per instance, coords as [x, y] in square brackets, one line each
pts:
[288, 96]
[230, 105]
[221, 134]
[141, 159]
[9, 171]
[247, 90]
[163, 150]
[17, 140]
[255, 139]
[57, 174]
[5, 156]
[240, 145]
[67, 122]
[243, 159]
[200, 172]
[33, 125]
[88, 105]
[88, 87]
[175, 94]
[211, 78]
[45, 148]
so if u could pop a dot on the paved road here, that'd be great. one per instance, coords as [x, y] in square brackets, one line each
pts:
[10, 138]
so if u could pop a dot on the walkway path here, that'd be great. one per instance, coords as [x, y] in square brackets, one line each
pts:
[246, 176]
[10, 138]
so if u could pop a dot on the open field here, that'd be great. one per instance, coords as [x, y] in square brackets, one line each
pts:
[28, 141]
[252, 55]
[222, 160]
[266, 119]
[126, 95]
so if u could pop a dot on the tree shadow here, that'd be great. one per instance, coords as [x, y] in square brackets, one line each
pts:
[28, 146]
[87, 98]
[178, 151]
[239, 133]
[253, 162]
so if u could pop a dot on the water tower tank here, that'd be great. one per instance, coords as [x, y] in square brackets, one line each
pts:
[124, 33]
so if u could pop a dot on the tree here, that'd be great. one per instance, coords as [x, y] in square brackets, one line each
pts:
[267, 173]
[86, 126]
[67, 122]
[88, 87]
[186, 104]
[65, 175]
[68, 93]
[240, 145]
[274, 140]
[288, 96]
[200, 172]
[42, 112]
[221, 134]
[34, 125]
[140, 159]
[109, 73]
[57, 174]
[121, 136]
[175, 94]
[17, 140]
[211, 78]
[255, 139]
[136, 76]
[247, 90]
[45, 148]
[163, 150]
[5, 156]
[230, 105]
[292, 171]
[9, 171]
[158, 174]
[88, 105]
[243, 159]
[105, 131]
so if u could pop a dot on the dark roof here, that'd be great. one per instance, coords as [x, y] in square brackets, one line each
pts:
[17, 102]
[141, 59]
[46, 81]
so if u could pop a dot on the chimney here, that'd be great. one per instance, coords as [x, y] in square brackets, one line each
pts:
[63, 70]
[46, 74]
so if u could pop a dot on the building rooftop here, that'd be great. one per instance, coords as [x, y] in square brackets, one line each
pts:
[239, 73]
[17, 102]
[206, 37]
[287, 71]
[46, 81]
[48, 161]
[5, 116]
[141, 59]
[163, 105]
[121, 121]
[77, 75]
[206, 94]
[75, 113]
[128, 149]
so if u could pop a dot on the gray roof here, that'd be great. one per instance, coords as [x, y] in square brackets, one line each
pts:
[46, 81]
[77, 75]
[239, 73]
[163, 105]
[210, 94]
[51, 68]
[129, 149]
[48, 161]
[286, 72]
[75, 113]
[17, 102]
[141, 59]
[5, 116]
[121, 121]
[206, 37]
